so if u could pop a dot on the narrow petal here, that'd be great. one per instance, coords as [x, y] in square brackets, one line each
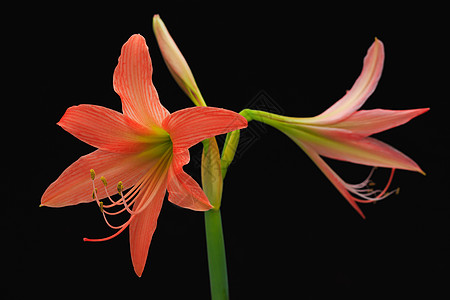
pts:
[338, 183]
[105, 129]
[144, 224]
[190, 126]
[74, 185]
[360, 91]
[133, 83]
[368, 122]
[345, 145]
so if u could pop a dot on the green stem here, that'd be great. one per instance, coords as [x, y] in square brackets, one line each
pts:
[216, 255]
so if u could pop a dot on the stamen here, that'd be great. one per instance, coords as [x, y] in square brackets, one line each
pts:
[120, 188]
[111, 236]
[365, 182]
[388, 184]
[147, 184]
[92, 174]
[368, 194]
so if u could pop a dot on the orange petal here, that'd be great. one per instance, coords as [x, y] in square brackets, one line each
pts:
[104, 128]
[74, 185]
[190, 126]
[144, 224]
[133, 82]
[185, 192]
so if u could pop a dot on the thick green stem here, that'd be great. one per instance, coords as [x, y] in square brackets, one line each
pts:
[212, 185]
[216, 255]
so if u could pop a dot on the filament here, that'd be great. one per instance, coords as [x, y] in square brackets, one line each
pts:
[145, 190]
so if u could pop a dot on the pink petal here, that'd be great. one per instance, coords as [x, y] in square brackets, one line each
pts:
[331, 175]
[190, 126]
[345, 145]
[183, 190]
[144, 224]
[74, 185]
[360, 91]
[105, 129]
[133, 82]
[368, 122]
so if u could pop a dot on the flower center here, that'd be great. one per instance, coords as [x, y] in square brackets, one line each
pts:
[157, 144]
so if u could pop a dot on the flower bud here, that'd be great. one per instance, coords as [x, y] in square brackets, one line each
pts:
[176, 63]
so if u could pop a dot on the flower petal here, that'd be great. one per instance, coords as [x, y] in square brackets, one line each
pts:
[332, 176]
[368, 122]
[144, 224]
[345, 145]
[190, 126]
[74, 185]
[360, 91]
[105, 129]
[133, 83]
[183, 190]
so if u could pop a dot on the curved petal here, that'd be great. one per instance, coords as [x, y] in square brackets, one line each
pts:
[74, 185]
[345, 145]
[338, 183]
[190, 126]
[183, 190]
[144, 224]
[368, 122]
[360, 91]
[133, 83]
[105, 129]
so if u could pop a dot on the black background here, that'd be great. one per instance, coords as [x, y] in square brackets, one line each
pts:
[289, 234]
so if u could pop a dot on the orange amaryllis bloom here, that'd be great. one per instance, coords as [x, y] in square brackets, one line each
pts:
[342, 132]
[142, 149]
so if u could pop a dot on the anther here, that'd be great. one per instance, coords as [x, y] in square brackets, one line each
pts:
[92, 174]
[94, 194]
[103, 179]
[120, 187]
[101, 206]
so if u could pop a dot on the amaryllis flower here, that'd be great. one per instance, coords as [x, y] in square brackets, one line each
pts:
[342, 132]
[141, 152]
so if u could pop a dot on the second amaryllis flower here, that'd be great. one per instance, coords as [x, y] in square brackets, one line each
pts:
[342, 132]
[142, 149]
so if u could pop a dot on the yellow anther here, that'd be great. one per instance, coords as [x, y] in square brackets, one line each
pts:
[397, 191]
[94, 194]
[120, 187]
[101, 206]
[92, 174]
[103, 179]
